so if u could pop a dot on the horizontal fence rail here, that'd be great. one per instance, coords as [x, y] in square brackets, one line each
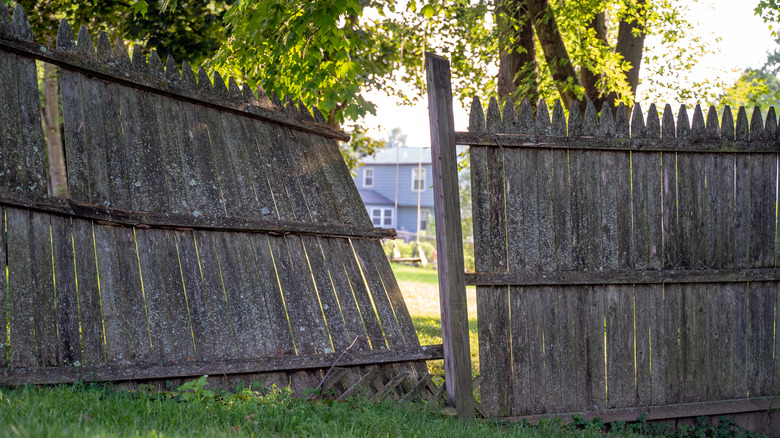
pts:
[625, 264]
[208, 229]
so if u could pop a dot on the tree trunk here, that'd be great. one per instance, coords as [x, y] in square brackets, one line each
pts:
[588, 78]
[631, 47]
[58, 180]
[558, 61]
[517, 68]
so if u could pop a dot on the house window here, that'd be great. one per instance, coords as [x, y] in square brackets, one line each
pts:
[368, 177]
[424, 216]
[382, 217]
[418, 180]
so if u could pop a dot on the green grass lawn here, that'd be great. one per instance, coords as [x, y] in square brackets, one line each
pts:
[420, 288]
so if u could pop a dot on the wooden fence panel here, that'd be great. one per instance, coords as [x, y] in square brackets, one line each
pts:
[674, 197]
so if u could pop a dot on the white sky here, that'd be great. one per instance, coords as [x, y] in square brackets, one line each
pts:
[744, 42]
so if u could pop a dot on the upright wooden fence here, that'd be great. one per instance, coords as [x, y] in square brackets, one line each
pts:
[626, 265]
[209, 230]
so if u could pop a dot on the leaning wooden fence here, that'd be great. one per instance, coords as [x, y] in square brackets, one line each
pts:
[626, 266]
[209, 230]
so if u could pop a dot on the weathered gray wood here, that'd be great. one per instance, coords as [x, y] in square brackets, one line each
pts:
[756, 125]
[62, 206]
[742, 130]
[727, 124]
[643, 323]
[621, 389]
[452, 290]
[647, 197]
[638, 129]
[516, 223]
[226, 346]
[694, 344]
[698, 129]
[562, 216]
[590, 123]
[530, 229]
[622, 129]
[664, 412]
[658, 336]
[653, 128]
[21, 24]
[44, 298]
[673, 376]
[545, 204]
[521, 342]
[668, 129]
[770, 127]
[671, 144]
[6, 28]
[33, 144]
[617, 238]
[542, 123]
[10, 126]
[606, 124]
[760, 326]
[740, 340]
[651, 276]
[113, 300]
[4, 292]
[575, 120]
[597, 378]
[573, 347]
[509, 118]
[713, 129]
[255, 365]
[558, 120]
[525, 119]
[683, 124]
[90, 313]
[21, 293]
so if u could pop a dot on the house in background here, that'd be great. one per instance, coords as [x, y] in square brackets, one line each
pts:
[402, 174]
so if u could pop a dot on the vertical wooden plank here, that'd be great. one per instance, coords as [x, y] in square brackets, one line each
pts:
[21, 293]
[552, 348]
[10, 129]
[452, 292]
[90, 312]
[204, 327]
[347, 303]
[46, 337]
[621, 388]
[561, 211]
[647, 179]
[203, 190]
[96, 132]
[573, 347]
[535, 400]
[659, 335]
[73, 117]
[673, 328]
[694, 344]
[723, 332]
[530, 226]
[522, 354]
[34, 151]
[157, 307]
[112, 299]
[643, 323]
[272, 295]
[597, 367]
[249, 320]
[615, 184]
[760, 338]
[211, 275]
[740, 346]
[174, 295]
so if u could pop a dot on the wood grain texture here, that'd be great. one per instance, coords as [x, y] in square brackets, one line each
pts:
[20, 290]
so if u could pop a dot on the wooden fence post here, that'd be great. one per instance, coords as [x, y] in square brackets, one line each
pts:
[452, 279]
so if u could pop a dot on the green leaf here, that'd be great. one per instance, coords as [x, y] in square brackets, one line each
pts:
[427, 11]
[139, 7]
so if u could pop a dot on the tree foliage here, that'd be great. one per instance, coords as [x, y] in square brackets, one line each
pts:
[328, 52]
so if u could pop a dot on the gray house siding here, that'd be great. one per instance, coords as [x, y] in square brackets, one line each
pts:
[384, 183]
[384, 170]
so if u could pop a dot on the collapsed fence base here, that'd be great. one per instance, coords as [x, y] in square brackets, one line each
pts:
[758, 414]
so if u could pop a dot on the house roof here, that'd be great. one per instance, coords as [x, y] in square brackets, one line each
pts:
[402, 155]
[372, 197]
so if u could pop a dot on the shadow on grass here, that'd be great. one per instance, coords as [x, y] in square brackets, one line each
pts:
[429, 332]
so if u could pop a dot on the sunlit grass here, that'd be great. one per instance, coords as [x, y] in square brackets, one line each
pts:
[420, 288]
